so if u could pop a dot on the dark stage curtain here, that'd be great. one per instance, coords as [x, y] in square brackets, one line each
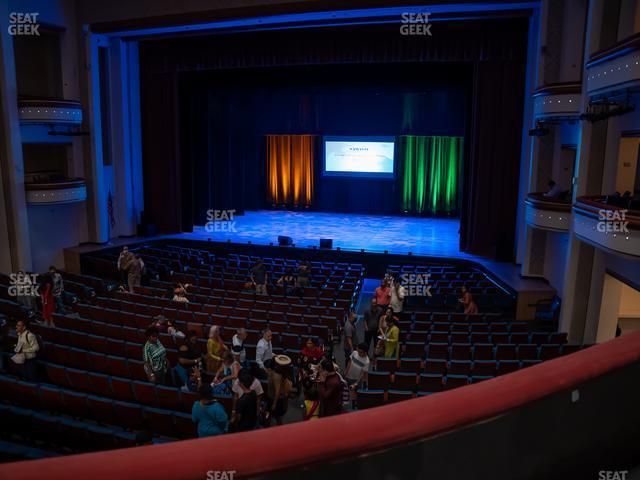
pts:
[488, 220]
[431, 170]
[290, 161]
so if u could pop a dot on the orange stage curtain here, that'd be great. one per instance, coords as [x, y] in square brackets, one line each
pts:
[290, 169]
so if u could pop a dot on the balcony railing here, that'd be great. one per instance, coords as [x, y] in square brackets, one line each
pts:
[557, 101]
[48, 111]
[547, 213]
[60, 192]
[614, 68]
[607, 226]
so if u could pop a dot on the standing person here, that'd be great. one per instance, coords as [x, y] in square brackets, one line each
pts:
[46, 295]
[215, 349]
[371, 319]
[123, 260]
[391, 338]
[398, 292]
[303, 276]
[244, 416]
[357, 369]
[209, 414]
[26, 351]
[350, 334]
[237, 346]
[154, 357]
[134, 272]
[259, 277]
[58, 289]
[329, 389]
[383, 295]
[264, 350]
[470, 307]
[188, 357]
[278, 387]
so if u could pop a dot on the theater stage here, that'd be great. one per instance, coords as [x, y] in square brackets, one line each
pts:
[432, 237]
[429, 237]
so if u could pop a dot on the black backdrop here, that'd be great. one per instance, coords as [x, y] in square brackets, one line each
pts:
[178, 150]
[226, 115]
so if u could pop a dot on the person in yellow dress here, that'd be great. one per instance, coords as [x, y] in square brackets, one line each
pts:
[392, 339]
[215, 349]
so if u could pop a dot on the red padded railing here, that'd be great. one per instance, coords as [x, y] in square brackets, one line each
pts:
[306, 443]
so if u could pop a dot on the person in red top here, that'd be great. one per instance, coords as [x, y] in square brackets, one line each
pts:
[48, 302]
[383, 295]
[330, 389]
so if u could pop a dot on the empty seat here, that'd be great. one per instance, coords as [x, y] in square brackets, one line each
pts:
[527, 352]
[410, 365]
[507, 366]
[435, 366]
[129, 415]
[549, 351]
[404, 381]
[399, 395]
[100, 408]
[506, 351]
[160, 421]
[483, 351]
[378, 380]
[369, 398]
[460, 351]
[386, 364]
[438, 350]
[429, 382]
[485, 368]
[144, 392]
[459, 367]
[414, 349]
[454, 381]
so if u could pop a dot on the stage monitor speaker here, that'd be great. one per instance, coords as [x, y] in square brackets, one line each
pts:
[326, 243]
[285, 241]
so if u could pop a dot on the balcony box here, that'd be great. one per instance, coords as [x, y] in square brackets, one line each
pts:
[547, 213]
[611, 228]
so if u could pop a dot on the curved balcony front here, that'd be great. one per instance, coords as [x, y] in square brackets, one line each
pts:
[547, 213]
[613, 228]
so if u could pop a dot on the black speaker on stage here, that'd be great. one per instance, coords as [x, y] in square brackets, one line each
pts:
[326, 243]
[285, 241]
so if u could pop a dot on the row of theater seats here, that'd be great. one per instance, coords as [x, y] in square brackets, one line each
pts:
[485, 351]
[285, 335]
[435, 336]
[119, 308]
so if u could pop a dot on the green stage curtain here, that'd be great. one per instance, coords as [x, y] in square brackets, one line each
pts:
[431, 174]
[290, 169]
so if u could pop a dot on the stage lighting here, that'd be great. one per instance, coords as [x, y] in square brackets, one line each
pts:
[285, 241]
[326, 243]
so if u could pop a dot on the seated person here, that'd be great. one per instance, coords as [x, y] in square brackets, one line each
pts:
[287, 282]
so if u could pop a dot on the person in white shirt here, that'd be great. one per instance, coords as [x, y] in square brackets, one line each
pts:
[237, 346]
[264, 349]
[180, 293]
[357, 367]
[398, 292]
[26, 351]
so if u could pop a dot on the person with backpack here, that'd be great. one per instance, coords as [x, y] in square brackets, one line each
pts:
[330, 388]
[26, 351]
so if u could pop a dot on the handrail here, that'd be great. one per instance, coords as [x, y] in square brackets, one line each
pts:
[69, 183]
[619, 48]
[311, 443]
[538, 200]
[564, 88]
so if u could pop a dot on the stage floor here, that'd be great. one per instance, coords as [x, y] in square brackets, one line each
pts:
[436, 237]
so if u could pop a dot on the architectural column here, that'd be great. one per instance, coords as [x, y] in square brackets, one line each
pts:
[14, 226]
